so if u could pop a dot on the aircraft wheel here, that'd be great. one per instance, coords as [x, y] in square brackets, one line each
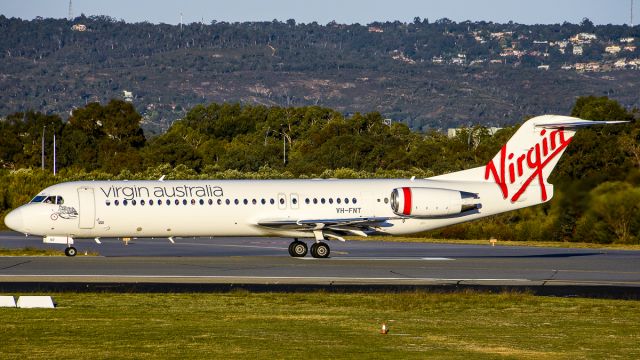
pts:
[297, 249]
[320, 250]
[70, 251]
[291, 252]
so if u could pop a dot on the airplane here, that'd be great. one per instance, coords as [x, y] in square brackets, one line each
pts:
[316, 209]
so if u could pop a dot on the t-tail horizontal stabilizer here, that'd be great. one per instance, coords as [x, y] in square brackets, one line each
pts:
[579, 123]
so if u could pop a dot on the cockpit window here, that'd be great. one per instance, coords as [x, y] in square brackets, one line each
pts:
[38, 199]
[58, 200]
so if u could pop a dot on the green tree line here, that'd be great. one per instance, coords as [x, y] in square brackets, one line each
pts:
[597, 182]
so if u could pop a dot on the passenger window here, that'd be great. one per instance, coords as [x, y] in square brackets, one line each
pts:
[184, 201]
[227, 201]
[354, 200]
[315, 201]
[116, 202]
[281, 201]
[330, 200]
[346, 200]
[142, 202]
[322, 200]
[219, 201]
[306, 201]
[124, 202]
[108, 202]
[294, 201]
[263, 201]
[236, 201]
[272, 201]
[168, 202]
[254, 201]
[133, 202]
[386, 200]
[202, 201]
[210, 201]
[193, 201]
[245, 201]
[338, 200]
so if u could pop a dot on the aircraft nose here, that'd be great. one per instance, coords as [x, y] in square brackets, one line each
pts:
[14, 220]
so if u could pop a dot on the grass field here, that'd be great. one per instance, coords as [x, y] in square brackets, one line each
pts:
[31, 251]
[321, 325]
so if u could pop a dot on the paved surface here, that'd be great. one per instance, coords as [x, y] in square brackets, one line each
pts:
[265, 261]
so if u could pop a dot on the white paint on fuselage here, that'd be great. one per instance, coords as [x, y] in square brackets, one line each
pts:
[196, 219]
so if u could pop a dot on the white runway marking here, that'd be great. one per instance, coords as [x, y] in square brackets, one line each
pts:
[237, 246]
[381, 258]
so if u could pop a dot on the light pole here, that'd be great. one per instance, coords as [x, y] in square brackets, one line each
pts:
[284, 145]
[266, 134]
[42, 159]
[54, 153]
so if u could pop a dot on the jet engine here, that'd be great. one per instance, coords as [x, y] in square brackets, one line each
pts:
[429, 202]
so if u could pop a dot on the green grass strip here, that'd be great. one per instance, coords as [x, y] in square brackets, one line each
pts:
[245, 325]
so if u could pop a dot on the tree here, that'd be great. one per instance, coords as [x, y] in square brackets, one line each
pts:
[106, 137]
[612, 215]
[21, 140]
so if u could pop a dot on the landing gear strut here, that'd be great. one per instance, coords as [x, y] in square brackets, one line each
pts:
[70, 251]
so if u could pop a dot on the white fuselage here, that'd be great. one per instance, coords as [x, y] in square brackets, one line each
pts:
[235, 207]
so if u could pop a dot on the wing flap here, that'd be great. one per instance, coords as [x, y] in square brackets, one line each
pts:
[354, 226]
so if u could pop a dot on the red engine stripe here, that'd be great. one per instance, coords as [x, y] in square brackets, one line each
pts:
[407, 200]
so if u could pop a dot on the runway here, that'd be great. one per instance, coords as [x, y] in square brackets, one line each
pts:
[263, 263]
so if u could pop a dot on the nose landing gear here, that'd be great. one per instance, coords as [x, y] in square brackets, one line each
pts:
[70, 251]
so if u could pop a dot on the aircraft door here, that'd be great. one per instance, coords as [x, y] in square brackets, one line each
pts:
[87, 208]
[369, 202]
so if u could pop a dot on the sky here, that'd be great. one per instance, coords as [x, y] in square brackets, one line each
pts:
[324, 11]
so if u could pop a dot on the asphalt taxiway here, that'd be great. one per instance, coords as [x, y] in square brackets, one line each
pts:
[193, 264]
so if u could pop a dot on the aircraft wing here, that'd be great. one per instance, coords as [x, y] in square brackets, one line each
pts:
[330, 227]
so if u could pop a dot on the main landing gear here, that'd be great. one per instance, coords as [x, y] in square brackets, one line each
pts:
[318, 250]
[70, 251]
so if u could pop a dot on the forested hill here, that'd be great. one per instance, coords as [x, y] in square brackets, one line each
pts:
[425, 74]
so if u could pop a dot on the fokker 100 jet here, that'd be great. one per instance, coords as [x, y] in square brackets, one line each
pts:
[320, 210]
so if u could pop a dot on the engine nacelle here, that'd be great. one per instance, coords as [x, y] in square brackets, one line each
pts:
[429, 202]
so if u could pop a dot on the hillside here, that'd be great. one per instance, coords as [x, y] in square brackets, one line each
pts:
[426, 75]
